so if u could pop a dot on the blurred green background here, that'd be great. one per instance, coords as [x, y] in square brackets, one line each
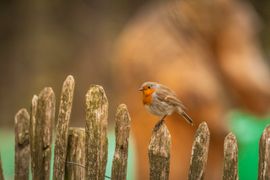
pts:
[248, 130]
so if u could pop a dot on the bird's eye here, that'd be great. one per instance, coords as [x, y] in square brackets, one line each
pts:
[149, 87]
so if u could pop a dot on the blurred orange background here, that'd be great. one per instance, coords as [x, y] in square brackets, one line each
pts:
[214, 54]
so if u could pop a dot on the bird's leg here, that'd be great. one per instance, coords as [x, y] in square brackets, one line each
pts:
[159, 123]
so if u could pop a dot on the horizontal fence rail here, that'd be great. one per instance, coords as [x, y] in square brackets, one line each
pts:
[81, 153]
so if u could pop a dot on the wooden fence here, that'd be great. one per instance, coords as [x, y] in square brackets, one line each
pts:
[81, 153]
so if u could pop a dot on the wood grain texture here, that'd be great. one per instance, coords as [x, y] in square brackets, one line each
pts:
[22, 145]
[62, 128]
[32, 131]
[43, 134]
[96, 133]
[122, 129]
[75, 162]
[159, 153]
[199, 153]
[230, 169]
[264, 155]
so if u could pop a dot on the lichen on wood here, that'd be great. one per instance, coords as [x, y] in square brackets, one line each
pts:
[230, 169]
[62, 128]
[199, 153]
[22, 145]
[159, 153]
[96, 133]
[122, 128]
[264, 155]
[75, 159]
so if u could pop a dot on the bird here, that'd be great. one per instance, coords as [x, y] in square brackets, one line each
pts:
[161, 101]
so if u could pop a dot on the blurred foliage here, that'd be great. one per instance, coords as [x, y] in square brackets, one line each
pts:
[262, 8]
[7, 150]
[248, 130]
[43, 41]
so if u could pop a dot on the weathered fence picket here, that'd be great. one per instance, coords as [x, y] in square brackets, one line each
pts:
[96, 133]
[62, 128]
[159, 153]
[122, 128]
[1, 170]
[75, 160]
[43, 134]
[199, 152]
[81, 153]
[22, 146]
[264, 155]
[32, 130]
[230, 169]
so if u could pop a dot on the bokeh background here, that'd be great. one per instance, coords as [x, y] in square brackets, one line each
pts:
[213, 53]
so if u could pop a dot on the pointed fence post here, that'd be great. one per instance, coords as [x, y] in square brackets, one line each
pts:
[230, 169]
[22, 146]
[32, 131]
[75, 162]
[122, 128]
[62, 128]
[159, 153]
[43, 134]
[264, 155]
[199, 152]
[96, 133]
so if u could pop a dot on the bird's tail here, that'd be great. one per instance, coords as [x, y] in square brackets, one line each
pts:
[185, 116]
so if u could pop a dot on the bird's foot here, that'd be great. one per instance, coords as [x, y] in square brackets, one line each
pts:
[158, 124]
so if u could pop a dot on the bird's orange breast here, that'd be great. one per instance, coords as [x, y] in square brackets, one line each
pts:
[147, 96]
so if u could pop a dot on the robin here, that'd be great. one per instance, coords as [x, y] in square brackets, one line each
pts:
[162, 101]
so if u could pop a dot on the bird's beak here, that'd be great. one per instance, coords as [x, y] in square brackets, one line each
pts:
[140, 89]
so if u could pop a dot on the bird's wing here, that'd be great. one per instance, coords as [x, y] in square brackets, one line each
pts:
[168, 96]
